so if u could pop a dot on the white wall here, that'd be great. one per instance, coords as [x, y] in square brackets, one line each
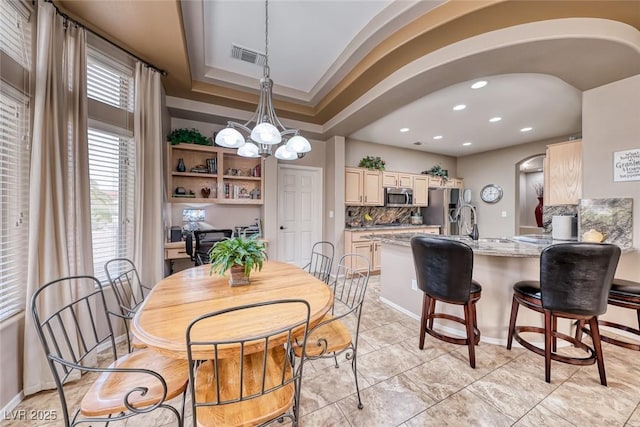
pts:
[498, 167]
[398, 159]
[611, 122]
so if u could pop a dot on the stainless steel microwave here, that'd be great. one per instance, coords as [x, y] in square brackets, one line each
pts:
[398, 197]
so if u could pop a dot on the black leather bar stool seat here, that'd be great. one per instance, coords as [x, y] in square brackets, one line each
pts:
[443, 272]
[626, 294]
[575, 279]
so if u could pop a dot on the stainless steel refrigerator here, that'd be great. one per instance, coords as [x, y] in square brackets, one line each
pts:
[443, 203]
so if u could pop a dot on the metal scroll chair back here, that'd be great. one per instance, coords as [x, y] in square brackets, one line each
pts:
[332, 337]
[72, 333]
[259, 380]
[321, 260]
[205, 239]
[127, 288]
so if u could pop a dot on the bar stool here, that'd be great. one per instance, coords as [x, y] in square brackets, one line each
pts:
[575, 279]
[626, 294]
[443, 271]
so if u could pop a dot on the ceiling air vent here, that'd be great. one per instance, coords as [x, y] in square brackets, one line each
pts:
[247, 55]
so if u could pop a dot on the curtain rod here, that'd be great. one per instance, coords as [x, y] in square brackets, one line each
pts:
[68, 18]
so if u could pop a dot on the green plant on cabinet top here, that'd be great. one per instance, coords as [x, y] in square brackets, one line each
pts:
[371, 162]
[187, 136]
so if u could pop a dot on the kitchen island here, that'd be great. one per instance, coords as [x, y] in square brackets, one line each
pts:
[498, 263]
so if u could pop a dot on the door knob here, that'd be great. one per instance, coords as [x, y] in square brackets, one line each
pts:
[282, 227]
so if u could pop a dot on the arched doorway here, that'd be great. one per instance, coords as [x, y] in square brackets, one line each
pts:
[530, 184]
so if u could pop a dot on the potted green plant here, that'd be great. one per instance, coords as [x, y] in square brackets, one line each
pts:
[371, 162]
[187, 136]
[239, 255]
[437, 171]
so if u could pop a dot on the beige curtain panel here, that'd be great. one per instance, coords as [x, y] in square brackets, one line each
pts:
[59, 241]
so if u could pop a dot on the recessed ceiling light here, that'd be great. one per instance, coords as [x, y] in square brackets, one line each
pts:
[495, 119]
[437, 137]
[417, 143]
[459, 107]
[527, 129]
[466, 144]
[479, 84]
[404, 130]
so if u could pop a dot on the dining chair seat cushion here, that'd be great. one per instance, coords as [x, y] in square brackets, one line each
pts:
[334, 333]
[247, 412]
[475, 287]
[107, 394]
[529, 288]
[624, 288]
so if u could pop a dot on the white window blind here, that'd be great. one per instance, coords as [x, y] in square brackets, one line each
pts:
[15, 48]
[111, 160]
[14, 200]
[15, 34]
[109, 81]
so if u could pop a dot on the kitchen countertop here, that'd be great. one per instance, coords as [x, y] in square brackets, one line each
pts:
[389, 227]
[504, 246]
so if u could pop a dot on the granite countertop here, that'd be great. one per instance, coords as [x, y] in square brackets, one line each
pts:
[388, 227]
[503, 246]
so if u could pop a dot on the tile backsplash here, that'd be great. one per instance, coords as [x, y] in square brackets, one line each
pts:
[354, 215]
[611, 217]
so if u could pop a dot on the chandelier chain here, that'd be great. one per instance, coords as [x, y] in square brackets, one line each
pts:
[266, 38]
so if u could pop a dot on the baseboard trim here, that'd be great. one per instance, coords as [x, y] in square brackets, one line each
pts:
[11, 405]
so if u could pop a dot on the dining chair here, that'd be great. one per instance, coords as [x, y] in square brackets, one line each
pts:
[444, 270]
[259, 382]
[129, 292]
[575, 279]
[331, 337]
[321, 260]
[72, 334]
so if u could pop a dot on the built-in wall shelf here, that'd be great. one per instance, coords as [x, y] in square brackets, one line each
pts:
[231, 179]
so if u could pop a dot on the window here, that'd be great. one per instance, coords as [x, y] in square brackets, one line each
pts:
[15, 56]
[111, 159]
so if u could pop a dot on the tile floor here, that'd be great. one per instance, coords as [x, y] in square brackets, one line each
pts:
[404, 386]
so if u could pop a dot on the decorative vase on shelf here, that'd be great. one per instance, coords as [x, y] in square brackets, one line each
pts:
[181, 167]
[538, 212]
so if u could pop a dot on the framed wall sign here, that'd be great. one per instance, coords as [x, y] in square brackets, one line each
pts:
[626, 165]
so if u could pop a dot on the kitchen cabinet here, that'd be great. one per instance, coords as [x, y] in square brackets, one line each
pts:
[355, 242]
[563, 173]
[421, 190]
[213, 175]
[363, 187]
[454, 183]
[397, 179]
[439, 182]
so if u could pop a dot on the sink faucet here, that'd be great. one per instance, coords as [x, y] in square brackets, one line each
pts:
[474, 231]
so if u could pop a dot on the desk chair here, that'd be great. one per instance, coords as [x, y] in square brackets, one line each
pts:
[204, 241]
[260, 382]
[129, 291]
[71, 334]
[575, 279]
[443, 271]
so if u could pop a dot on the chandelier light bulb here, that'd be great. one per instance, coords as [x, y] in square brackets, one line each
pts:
[283, 154]
[266, 133]
[298, 144]
[249, 150]
[230, 138]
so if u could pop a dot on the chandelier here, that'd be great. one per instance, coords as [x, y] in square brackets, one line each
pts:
[264, 131]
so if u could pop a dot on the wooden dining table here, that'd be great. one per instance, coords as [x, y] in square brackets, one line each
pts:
[162, 320]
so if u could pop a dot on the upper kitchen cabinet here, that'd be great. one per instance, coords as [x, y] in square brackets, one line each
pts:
[421, 190]
[397, 180]
[563, 173]
[363, 187]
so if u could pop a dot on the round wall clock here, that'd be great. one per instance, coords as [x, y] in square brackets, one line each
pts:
[491, 193]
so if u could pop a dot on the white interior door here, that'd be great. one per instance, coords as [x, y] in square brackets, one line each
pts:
[299, 212]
